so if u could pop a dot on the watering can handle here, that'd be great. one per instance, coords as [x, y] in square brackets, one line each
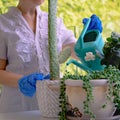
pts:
[83, 32]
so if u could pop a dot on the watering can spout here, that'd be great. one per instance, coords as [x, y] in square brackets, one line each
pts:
[78, 64]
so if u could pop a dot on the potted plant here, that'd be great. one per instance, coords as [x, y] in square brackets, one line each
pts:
[112, 50]
[48, 99]
[94, 95]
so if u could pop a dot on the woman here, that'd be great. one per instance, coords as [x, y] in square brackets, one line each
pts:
[24, 50]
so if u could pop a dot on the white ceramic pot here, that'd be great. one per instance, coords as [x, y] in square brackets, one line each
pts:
[48, 92]
[76, 95]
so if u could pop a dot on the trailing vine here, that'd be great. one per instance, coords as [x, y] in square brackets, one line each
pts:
[111, 73]
[62, 101]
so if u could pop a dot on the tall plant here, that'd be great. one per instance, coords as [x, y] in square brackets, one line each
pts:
[52, 25]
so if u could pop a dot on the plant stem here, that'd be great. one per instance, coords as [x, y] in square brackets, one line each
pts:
[52, 22]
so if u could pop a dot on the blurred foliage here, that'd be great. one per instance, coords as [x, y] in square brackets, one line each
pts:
[73, 11]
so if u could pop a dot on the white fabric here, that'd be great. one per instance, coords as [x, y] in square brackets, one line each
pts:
[18, 46]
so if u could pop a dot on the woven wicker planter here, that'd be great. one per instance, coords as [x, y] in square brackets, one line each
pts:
[76, 95]
[48, 97]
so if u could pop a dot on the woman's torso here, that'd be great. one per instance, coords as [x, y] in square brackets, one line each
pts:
[26, 53]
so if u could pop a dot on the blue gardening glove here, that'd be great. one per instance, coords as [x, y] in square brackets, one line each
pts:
[94, 24]
[47, 76]
[27, 84]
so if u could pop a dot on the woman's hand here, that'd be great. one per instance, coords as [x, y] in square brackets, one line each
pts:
[27, 84]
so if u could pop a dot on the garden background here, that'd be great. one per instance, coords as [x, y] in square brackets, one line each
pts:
[73, 11]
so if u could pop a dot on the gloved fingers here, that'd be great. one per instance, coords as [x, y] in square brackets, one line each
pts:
[97, 24]
[84, 21]
[26, 87]
[94, 24]
[32, 78]
[28, 92]
[47, 76]
[39, 76]
[27, 84]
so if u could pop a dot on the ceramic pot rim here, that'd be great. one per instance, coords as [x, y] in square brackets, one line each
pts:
[96, 82]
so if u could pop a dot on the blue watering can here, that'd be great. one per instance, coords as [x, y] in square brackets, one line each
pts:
[88, 49]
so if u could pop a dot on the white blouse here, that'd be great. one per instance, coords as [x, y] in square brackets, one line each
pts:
[26, 52]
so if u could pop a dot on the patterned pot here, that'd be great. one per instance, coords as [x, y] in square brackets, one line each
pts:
[48, 92]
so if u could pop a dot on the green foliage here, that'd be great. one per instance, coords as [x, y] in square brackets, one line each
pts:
[111, 73]
[5, 4]
[73, 11]
[111, 50]
[63, 101]
[111, 42]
